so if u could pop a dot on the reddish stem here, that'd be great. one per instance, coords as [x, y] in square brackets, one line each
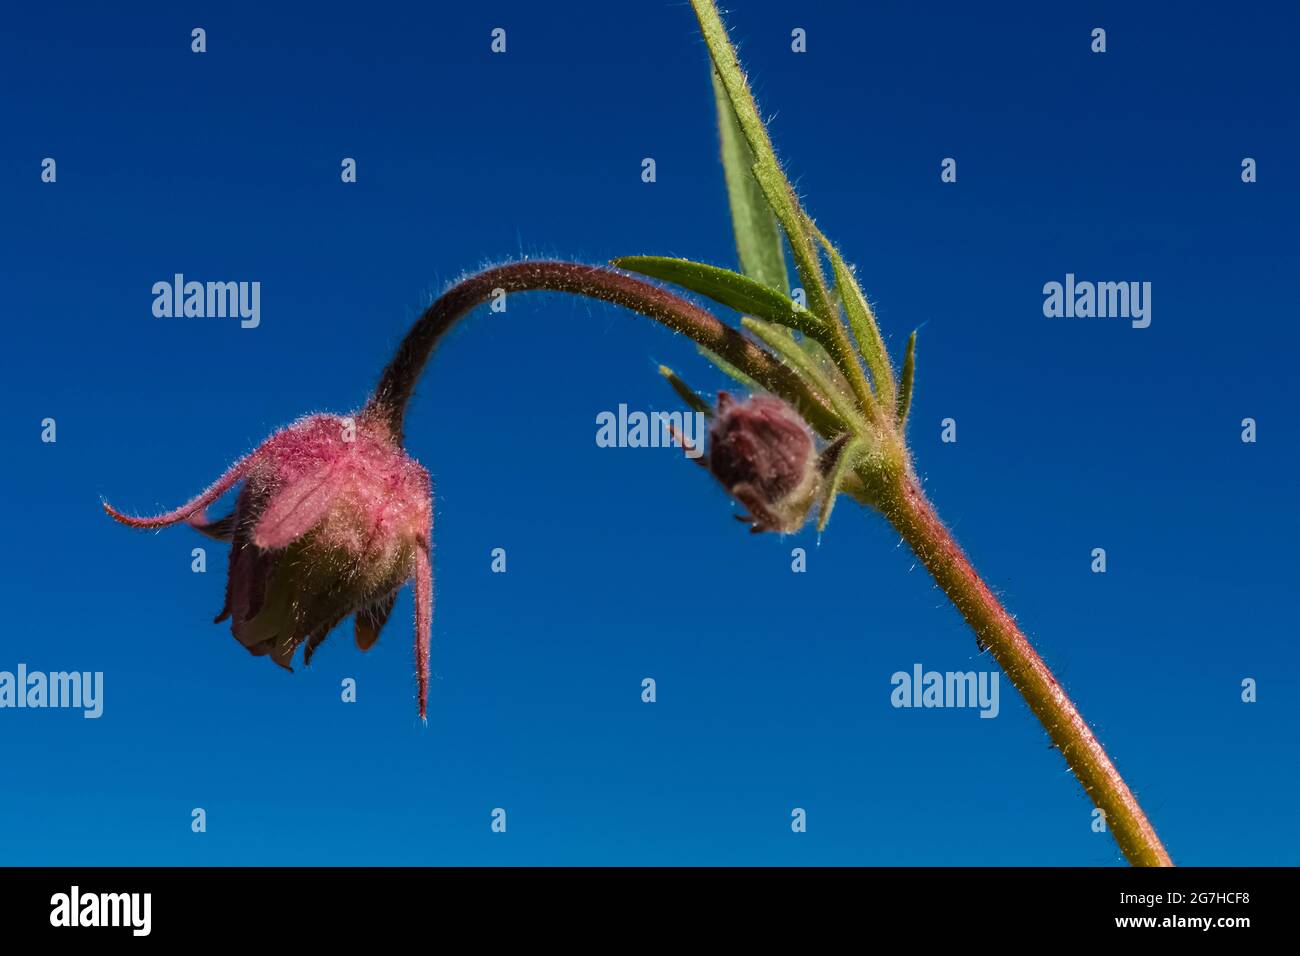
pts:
[914, 517]
[398, 380]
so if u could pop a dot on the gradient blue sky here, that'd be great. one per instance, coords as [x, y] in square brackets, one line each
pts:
[773, 687]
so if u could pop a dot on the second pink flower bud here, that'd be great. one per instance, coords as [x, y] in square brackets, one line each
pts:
[763, 453]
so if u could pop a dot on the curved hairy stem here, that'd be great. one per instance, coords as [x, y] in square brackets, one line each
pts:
[883, 479]
[397, 382]
[915, 519]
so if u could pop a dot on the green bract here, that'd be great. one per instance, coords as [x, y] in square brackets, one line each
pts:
[832, 344]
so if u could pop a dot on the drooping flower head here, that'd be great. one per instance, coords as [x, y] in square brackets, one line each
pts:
[764, 454]
[332, 519]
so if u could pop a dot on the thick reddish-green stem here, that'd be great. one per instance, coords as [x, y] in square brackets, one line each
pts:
[398, 379]
[914, 517]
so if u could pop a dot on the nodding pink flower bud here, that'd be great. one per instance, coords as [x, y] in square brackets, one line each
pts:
[763, 453]
[333, 518]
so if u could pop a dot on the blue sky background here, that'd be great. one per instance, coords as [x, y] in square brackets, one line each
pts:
[773, 688]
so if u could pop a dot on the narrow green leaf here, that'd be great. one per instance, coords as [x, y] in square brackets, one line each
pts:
[731, 289]
[863, 323]
[834, 479]
[780, 196]
[767, 170]
[825, 361]
[806, 365]
[905, 389]
[758, 240]
[685, 392]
